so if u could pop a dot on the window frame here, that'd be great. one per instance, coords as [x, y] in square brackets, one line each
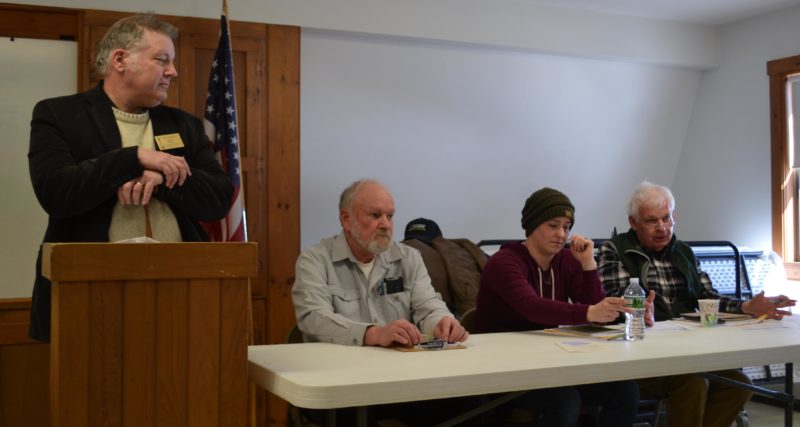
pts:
[783, 178]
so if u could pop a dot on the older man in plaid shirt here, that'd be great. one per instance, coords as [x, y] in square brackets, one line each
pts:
[668, 267]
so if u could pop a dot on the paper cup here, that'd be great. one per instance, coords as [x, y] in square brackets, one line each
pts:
[709, 311]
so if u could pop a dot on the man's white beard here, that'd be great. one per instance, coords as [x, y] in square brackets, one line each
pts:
[373, 246]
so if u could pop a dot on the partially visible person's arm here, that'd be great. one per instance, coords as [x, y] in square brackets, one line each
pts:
[584, 284]
[586, 288]
[615, 279]
[450, 330]
[427, 307]
[606, 310]
[613, 275]
[757, 306]
[174, 169]
[649, 309]
[139, 191]
[769, 306]
[707, 291]
[207, 192]
[583, 251]
[400, 331]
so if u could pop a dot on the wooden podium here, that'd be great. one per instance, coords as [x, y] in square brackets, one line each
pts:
[149, 334]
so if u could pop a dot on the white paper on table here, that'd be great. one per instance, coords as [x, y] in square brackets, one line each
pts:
[686, 324]
[580, 346]
[766, 324]
[667, 325]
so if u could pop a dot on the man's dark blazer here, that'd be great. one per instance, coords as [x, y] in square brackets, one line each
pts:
[77, 162]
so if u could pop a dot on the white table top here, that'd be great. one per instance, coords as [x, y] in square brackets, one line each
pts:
[325, 376]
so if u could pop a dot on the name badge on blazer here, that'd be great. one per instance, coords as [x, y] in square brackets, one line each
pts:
[169, 141]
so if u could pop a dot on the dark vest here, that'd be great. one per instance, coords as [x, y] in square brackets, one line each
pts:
[636, 261]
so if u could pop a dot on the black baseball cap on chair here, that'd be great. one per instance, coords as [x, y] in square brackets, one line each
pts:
[422, 229]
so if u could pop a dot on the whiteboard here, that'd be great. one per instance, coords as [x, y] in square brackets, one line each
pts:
[30, 70]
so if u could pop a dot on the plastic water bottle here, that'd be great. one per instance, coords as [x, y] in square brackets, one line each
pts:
[634, 322]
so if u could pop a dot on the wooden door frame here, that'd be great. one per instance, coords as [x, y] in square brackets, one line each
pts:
[782, 183]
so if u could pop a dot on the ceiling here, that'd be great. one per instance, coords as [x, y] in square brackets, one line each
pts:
[709, 12]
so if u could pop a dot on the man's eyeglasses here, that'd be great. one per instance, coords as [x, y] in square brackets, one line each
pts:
[656, 223]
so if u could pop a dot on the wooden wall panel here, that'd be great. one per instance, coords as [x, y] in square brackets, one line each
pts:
[267, 66]
[197, 49]
[24, 369]
[283, 157]
[24, 379]
[204, 340]
[39, 22]
[73, 368]
[283, 193]
[192, 367]
[105, 353]
[139, 314]
[235, 317]
[259, 397]
[171, 343]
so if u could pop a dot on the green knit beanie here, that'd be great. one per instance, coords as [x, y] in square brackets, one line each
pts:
[543, 205]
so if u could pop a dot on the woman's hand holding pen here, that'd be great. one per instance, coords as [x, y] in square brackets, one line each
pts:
[583, 251]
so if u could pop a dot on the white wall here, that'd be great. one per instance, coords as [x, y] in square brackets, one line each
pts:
[30, 70]
[516, 24]
[723, 185]
[463, 135]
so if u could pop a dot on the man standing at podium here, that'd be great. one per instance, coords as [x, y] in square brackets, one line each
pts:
[110, 163]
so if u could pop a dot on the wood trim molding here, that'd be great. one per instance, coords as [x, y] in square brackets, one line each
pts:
[784, 66]
[14, 321]
[283, 180]
[62, 262]
[792, 270]
[39, 22]
[781, 176]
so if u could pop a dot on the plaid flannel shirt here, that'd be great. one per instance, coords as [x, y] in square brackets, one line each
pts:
[662, 277]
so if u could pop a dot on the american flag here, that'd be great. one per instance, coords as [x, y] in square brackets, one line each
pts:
[221, 129]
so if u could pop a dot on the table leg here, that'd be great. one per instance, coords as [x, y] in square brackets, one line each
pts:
[331, 418]
[361, 416]
[788, 389]
[482, 408]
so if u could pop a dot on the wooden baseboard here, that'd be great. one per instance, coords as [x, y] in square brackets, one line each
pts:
[24, 368]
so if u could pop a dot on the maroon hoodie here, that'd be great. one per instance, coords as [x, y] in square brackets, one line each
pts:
[509, 297]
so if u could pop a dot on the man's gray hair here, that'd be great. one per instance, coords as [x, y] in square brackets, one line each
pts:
[346, 199]
[126, 34]
[648, 194]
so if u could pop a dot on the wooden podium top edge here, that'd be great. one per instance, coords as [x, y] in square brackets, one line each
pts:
[65, 262]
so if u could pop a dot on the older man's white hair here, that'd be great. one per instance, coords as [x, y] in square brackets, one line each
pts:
[649, 195]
